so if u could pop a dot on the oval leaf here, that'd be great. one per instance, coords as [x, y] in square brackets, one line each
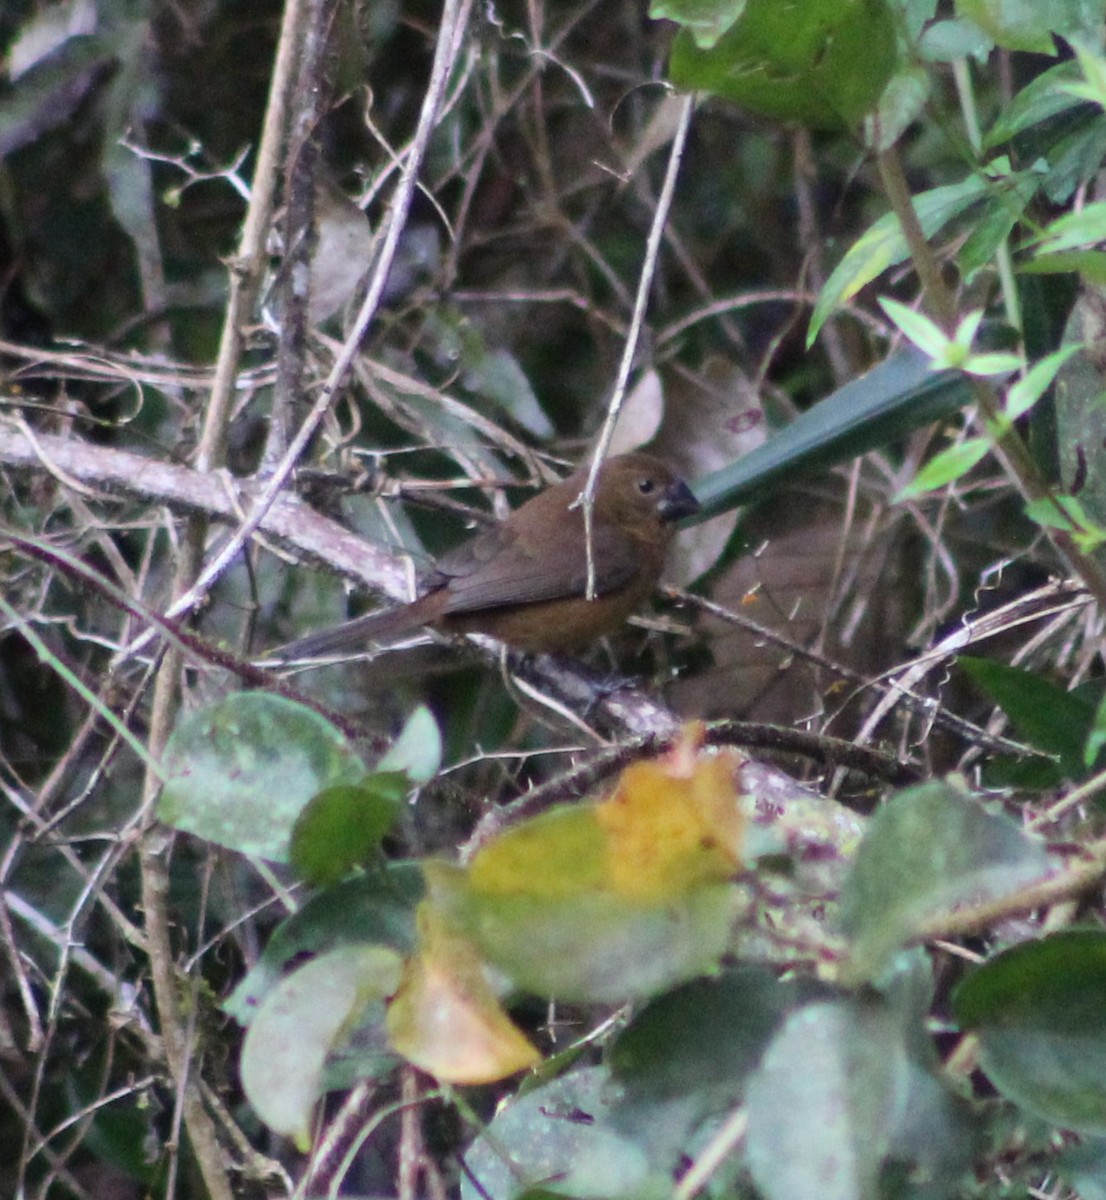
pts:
[1052, 720]
[592, 946]
[823, 63]
[240, 772]
[299, 1025]
[706, 20]
[1038, 1012]
[417, 752]
[375, 907]
[702, 1038]
[562, 1136]
[929, 849]
[446, 1018]
[822, 1105]
[615, 899]
[1027, 26]
[342, 827]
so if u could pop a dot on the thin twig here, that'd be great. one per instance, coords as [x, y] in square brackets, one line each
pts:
[974, 918]
[897, 689]
[449, 34]
[246, 268]
[311, 100]
[726, 1139]
[637, 321]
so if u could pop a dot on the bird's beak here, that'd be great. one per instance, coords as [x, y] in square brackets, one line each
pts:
[677, 502]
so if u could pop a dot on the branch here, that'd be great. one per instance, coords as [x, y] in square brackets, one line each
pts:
[218, 496]
[311, 538]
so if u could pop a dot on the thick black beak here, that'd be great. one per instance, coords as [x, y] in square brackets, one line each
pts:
[677, 502]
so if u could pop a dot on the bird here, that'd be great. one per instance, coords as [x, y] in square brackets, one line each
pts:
[524, 580]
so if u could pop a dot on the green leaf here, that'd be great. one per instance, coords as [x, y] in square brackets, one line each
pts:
[702, 1038]
[705, 20]
[1093, 85]
[417, 752]
[945, 467]
[914, 16]
[996, 363]
[1029, 24]
[1050, 719]
[849, 1087]
[1037, 1010]
[1034, 773]
[993, 225]
[1091, 264]
[927, 335]
[823, 1104]
[301, 1023]
[1074, 159]
[1027, 391]
[822, 63]
[935, 1137]
[947, 41]
[1040, 99]
[486, 373]
[928, 849]
[342, 827]
[376, 907]
[884, 245]
[362, 1052]
[1086, 227]
[562, 1135]
[239, 773]
[966, 329]
[891, 400]
[1096, 738]
[588, 945]
[902, 102]
[1067, 513]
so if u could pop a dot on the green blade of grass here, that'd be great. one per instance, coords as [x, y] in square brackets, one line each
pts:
[886, 404]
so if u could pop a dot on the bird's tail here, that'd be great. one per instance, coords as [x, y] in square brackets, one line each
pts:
[381, 626]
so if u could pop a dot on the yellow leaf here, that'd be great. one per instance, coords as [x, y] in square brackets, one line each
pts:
[673, 823]
[557, 854]
[445, 1017]
[610, 900]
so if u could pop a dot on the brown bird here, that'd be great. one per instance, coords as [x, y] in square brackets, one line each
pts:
[524, 580]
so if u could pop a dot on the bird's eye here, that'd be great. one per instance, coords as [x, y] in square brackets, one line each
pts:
[645, 486]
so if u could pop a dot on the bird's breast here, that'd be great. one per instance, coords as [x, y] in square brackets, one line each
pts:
[553, 626]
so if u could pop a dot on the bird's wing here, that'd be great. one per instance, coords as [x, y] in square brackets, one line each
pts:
[497, 569]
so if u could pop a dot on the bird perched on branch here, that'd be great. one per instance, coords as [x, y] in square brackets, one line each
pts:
[524, 581]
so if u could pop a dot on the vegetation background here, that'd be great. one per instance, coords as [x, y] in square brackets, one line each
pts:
[197, 401]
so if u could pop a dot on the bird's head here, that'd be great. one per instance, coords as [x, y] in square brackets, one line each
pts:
[637, 491]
